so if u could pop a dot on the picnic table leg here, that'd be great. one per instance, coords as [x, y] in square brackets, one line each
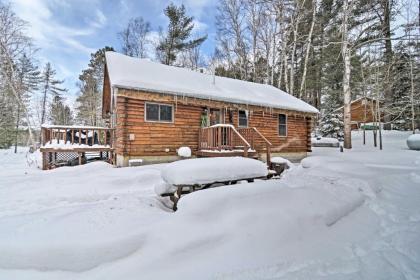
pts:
[176, 197]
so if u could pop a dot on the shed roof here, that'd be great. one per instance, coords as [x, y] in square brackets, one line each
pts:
[143, 74]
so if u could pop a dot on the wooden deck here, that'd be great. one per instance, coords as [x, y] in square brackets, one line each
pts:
[204, 153]
[72, 145]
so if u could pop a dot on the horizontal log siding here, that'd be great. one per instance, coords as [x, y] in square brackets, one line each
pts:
[358, 111]
[152, 138]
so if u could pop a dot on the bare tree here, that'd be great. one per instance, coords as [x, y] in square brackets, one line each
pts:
[308, 48]
[231, 28]
[295, 23]
[134, 39]
[13, 44]
[253, 23]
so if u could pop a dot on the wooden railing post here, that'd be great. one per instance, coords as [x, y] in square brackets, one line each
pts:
[219, 140]
[199, 138]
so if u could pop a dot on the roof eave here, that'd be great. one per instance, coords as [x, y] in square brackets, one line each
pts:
[204, 97]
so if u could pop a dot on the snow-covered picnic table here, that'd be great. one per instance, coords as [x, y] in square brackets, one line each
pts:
[201, 173]
[325, 142]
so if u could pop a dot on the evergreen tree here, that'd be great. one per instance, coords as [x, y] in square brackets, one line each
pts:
[331, 123]
[60, 113]
[177, 36]
[28, 77]
[89, 102]
[50, 87]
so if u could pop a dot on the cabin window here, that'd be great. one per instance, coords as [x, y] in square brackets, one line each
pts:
[159, 112]
[282, 125]
[243, 118]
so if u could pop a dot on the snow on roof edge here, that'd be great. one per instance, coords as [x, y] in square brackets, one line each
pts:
[207, 97]
[139, 74]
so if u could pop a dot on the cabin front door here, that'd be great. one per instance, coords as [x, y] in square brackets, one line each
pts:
[216, 116]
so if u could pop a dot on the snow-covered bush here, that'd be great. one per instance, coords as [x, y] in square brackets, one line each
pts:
[413, 142]
[184, 152]
[332, 125]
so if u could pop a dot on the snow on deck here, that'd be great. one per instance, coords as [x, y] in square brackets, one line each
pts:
[351, 215]
[63, 145]
[82, 127]
[143, 74]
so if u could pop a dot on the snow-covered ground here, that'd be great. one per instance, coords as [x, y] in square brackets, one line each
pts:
[351, 215]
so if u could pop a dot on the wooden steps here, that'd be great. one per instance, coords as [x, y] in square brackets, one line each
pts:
[234, 153]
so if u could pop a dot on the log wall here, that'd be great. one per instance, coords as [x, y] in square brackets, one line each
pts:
[163, 139]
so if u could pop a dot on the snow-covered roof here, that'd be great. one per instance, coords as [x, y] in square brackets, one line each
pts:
[143, 74]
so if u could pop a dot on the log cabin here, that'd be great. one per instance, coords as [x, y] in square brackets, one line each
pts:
[155, 109]
[363, 110]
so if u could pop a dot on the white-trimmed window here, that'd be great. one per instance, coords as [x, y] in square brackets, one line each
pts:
[155, 112]
[242, 118]
[282, 125]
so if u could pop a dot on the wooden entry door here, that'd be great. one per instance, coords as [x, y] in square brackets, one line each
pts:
[216, 116]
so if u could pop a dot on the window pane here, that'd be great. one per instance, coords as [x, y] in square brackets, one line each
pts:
[152, 112]
[282, 119]
[243, 120]
[282, 130]
[165, 113]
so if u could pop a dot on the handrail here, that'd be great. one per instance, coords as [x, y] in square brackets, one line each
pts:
[250, 132]
[222, 136]
[262, 136]
[233, 128]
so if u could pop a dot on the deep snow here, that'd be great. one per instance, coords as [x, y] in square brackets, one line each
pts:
[351, 215]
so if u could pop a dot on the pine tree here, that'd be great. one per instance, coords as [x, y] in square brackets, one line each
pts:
[177, 36]
[331, 123]
[89, 102]
[50, 88]
[60, 113]
[28, 77]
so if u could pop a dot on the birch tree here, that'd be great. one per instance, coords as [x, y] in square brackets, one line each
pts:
[13, 44]
[345, 50]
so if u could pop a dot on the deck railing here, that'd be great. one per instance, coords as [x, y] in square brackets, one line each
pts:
[222, 137]
[71, 145]
[77, 135]
[257, 141]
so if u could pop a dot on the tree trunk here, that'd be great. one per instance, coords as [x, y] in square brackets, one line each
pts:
[44, 104]
[413, 114]
[346, 79]
[386, 29]
[308, 49]
[17, 127]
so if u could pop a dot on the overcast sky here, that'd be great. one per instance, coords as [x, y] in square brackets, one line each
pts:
[68, 31]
